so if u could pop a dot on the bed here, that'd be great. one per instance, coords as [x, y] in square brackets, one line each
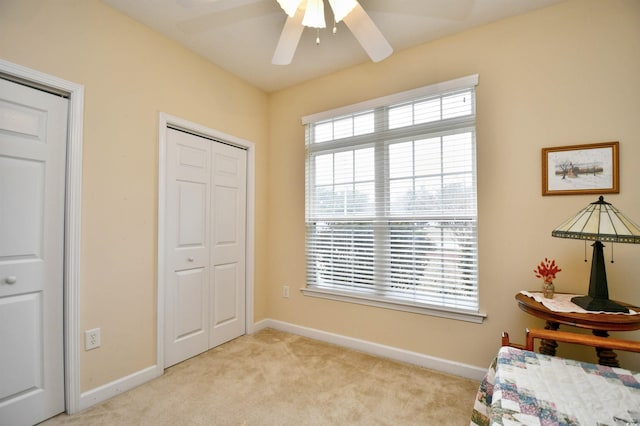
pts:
[525, 387]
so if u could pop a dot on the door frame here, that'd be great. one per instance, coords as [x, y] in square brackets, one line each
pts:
[72, 216]
[165, 121]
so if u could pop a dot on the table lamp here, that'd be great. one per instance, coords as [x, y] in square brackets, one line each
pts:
[599, 221]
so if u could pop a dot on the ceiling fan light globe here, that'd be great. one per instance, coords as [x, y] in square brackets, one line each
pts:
[341, 8]
[314, 14]
[289, 6]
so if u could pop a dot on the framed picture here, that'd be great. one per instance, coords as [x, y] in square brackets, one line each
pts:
[581, 169]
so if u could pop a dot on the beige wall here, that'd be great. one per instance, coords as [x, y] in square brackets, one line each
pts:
[559, 76]
[563, 75]
[130, 74]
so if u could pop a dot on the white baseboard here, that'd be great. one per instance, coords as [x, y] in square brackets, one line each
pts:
[426, 361]
[109, 390]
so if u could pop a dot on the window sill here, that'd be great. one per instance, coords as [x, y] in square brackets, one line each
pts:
[416, 308]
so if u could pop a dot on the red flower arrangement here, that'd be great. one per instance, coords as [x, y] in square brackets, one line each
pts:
[547, 270]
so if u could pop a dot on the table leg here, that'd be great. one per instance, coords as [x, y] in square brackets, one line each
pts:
[606, 356]
[548, 347]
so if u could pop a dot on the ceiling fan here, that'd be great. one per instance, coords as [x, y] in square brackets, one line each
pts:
[310, 13]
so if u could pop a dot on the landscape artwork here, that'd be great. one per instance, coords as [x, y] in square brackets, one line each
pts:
[580, 169]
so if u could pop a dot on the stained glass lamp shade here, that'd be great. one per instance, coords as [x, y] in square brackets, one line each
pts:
[599, 221]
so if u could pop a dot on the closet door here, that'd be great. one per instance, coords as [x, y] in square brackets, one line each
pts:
[205, 245]
[228, 243]
[187, 273]
[33, 137]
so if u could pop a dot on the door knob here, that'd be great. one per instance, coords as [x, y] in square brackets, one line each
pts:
[10, 280]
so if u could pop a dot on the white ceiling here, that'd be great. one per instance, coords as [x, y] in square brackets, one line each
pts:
[241, 35]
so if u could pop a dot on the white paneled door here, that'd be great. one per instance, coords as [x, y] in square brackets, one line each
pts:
[205, 241]
[33, 132]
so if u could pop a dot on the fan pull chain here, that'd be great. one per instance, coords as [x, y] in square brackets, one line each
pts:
[318, 36]
[585, 251]
[335, 29]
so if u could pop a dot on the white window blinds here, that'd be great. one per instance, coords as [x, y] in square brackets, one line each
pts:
[391, 198]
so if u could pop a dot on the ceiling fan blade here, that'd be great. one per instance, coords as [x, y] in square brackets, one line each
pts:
[368, 34]
[289, 39]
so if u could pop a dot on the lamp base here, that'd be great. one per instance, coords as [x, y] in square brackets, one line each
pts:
[596, 304]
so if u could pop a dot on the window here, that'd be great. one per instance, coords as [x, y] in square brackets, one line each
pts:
[391, 216]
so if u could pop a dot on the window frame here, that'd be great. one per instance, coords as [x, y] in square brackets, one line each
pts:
[384, 139]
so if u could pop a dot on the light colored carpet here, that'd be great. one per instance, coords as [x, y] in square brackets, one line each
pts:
[275, 378]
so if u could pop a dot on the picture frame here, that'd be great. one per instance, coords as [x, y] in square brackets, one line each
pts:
[581, 169]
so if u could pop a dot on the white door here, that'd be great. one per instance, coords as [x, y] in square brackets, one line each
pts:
[227, 316]
[205, 240]
[188, 240]
[33, 132]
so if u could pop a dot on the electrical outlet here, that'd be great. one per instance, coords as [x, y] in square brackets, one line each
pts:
[285, 291]
[91, 339]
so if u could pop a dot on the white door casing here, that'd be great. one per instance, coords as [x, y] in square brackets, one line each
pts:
[203, 227]
[33, 133]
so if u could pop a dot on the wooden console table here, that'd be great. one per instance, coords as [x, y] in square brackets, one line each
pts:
[599, 324]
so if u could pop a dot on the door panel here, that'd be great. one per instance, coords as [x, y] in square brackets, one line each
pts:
[33, 132]
[225, 297]
[191, 311]
[23, 333]
[22, 203]
[226, 225]
[192, 214]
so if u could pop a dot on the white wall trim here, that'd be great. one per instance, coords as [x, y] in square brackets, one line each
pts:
[415, 358]
[73, 213]
[164, 121]
[116, 387]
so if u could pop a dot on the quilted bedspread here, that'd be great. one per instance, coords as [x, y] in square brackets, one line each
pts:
[523, 387]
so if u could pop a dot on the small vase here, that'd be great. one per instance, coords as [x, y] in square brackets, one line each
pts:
[548, 289]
